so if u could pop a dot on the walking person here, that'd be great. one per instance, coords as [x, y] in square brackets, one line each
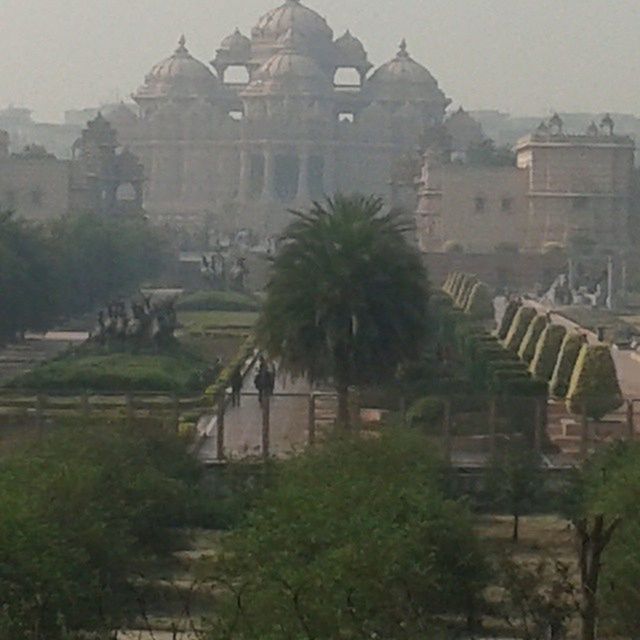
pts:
[236, 387]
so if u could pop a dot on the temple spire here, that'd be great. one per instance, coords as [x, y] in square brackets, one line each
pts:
[182, 44]
[402, 53]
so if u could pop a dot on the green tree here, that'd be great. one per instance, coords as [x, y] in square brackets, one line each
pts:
[594, 386]
[514, 483]
[79, 510]
[352, 540]
[347, 296]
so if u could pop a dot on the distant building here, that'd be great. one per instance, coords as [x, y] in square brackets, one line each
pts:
[101, 177]
[562, 187]
[282, 117]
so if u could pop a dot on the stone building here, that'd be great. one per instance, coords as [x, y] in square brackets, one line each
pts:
[101, 177]
[561, 188]
[284, 116]
[33, 183]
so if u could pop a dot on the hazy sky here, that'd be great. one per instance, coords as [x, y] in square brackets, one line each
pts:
[523, 56]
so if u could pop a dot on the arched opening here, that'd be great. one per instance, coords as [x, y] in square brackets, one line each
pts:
[347, 77]
[236, 74]
[287, 171]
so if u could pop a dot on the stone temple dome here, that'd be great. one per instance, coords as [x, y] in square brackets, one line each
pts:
[403, 78]
[236, 42]
[294, 17]
[289, 72]
[179, 75]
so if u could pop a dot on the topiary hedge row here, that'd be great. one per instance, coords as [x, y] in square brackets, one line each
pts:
[507, 318]
[594, 386]
[565, 364]
[523, 318]
[547, 351]
[530, 341]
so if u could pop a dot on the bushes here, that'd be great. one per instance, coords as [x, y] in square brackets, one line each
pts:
[594, 386]
[426, 413]
[174, 371]
[547, 351]
[519, 327]
[79, 510]
[218, 301]
[530, 341]
[480, 304]
[507, 319]
[565, 364]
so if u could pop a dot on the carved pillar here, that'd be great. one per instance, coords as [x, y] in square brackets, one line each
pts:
[303, 176]
[245, 175]
[268, 189]
[329, 176]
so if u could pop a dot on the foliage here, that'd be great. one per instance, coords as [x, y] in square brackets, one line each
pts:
[547, 351]
[514, 482]
[100, 369]
[347, 295]
[480, 304]
[218, 301]
[530, 341]
[486, 154]
[523, 318]
[426, 412]
[507, 318]
[464, 293]
[611, 485]
[71, 265]
[224, 379]
[569, 351]
[354, 539]
[79, 509]
[594, 386]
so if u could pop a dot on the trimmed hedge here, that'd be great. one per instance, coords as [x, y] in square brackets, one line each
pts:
[523, 318]
[426, 412]
[565, 364]
[480, 303]
[530, 341]
[465, 292]
[507, 319]
[218, 301]
[594, 385]
[547, 351]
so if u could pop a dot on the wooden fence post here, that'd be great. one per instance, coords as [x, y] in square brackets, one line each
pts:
[493, 427]
[220, 427]
[312, 419]
[266, 426]
[84, 401]
[631, 430]
[446, 428]
[584, 438]
[129, 408]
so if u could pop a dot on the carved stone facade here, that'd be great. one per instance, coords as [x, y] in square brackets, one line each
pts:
[282, 117]
[562, 187]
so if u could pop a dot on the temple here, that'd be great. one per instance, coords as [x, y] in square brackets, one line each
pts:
[285, 116]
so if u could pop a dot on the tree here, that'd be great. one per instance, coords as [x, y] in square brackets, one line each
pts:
[594, 387]
[566, 363]
[547, 351]
[352, 540]
[523, 318]
[347, 296]
[530, 341]
[515, 482]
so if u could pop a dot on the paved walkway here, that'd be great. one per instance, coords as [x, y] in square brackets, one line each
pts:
[243, 425]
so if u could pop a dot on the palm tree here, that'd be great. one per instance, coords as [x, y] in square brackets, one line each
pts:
[347, 296]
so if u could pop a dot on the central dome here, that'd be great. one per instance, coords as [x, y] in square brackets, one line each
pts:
[292, 18]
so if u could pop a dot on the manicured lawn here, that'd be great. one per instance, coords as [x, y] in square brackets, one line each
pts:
[198, 322]
[177, 371]
[218, 301]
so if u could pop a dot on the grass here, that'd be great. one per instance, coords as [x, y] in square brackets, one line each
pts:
[199, 322]
[91, 368]
[218, 301]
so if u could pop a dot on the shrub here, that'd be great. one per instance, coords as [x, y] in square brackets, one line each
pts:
[465, 292]
[519, 327]
[456, 284]
[218, 301]
[480, 303]
[565, 364]
[530, 341]
[594, 385]
[426, 412]
[507, 319]
[547, 351]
